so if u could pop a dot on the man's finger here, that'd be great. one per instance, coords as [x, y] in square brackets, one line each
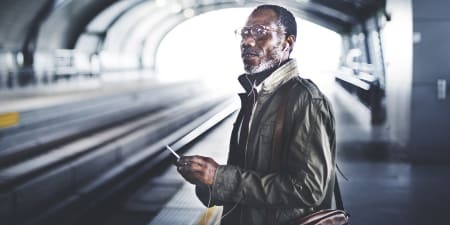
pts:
[183, 160]
[190, 167]
[194, 167]
[197, 159]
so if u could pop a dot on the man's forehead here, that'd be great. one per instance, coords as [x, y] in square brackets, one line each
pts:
[262, 17]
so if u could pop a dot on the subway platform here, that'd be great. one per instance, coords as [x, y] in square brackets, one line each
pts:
[383, 187]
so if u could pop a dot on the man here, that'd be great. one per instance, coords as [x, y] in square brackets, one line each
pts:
[250, 190]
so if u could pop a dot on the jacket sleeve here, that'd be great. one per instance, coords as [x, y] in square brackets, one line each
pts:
[204, 194]
[309, 168]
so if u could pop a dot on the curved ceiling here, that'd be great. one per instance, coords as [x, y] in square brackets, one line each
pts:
[144, 25]
[63, 27]
[135, 26]
[17, 16]
[17, 19]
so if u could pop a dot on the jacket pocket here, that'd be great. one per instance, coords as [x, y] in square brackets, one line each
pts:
[261, 151]
[266, 132]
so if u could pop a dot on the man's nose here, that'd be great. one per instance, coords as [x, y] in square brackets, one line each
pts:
[248, 41]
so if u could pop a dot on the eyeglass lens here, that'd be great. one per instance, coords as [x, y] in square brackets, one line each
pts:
[254, 31]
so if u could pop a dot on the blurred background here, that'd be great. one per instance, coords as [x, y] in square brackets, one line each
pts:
[92, 91]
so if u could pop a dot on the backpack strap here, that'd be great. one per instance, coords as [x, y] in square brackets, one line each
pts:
[337, 194]
[276, 144]
[278, 133]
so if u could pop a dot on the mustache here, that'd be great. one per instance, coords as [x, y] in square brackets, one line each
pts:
[248, 51]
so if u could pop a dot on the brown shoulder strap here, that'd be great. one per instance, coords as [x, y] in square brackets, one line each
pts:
[337, 195]
[278, 133]
[276, 145]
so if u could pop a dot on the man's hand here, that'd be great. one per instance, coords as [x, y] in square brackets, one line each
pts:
[197, 169]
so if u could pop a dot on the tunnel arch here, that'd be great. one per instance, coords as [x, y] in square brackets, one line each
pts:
[64, 37]
[170, 19]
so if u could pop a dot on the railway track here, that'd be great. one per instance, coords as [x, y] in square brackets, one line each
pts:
[79, 163]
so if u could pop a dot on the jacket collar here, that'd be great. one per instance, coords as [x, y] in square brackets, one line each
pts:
[280, 76]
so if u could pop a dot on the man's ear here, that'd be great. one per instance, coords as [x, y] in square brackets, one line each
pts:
[290, 42]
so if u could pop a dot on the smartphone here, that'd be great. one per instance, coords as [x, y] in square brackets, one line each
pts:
[173, 152]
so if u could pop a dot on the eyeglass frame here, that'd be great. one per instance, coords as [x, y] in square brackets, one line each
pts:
[239, 31]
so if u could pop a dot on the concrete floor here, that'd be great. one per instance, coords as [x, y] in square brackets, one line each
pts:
[384, 192]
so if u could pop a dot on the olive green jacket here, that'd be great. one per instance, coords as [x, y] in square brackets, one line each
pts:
[248, 187]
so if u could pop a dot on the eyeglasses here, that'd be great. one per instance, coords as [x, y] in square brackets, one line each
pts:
[257, 32]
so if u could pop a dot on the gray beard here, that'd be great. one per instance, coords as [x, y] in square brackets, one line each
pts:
[275, 61]
[261, 67]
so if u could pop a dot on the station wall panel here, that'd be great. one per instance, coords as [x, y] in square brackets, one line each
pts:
[430, 117]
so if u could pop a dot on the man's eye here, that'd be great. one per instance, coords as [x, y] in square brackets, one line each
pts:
[259, 30]
[245, 32]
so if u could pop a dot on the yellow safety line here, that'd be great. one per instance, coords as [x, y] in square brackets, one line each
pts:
[207, 216]
[9, 119]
